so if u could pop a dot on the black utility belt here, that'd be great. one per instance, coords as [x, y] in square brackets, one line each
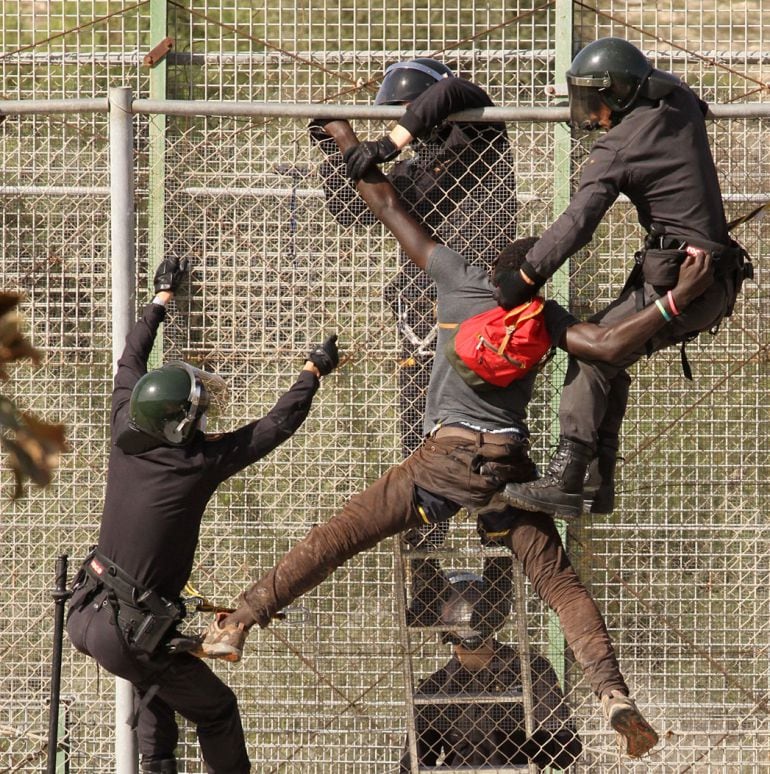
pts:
[718, 251]
[144, 616]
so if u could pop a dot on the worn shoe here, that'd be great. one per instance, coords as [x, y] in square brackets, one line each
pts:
[224, 642]
[637, 735]
[560, 490]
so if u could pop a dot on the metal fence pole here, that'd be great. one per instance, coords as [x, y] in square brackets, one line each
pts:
[60, 596]
[123, 259]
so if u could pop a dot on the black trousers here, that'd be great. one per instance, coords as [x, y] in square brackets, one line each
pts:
[595, 395]
[185, 685]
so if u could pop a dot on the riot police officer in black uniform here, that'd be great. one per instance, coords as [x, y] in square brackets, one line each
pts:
[489, 732]
[656, 152]
[459, 184]
[162, 472]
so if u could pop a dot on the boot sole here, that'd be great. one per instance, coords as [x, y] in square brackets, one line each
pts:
[640, 737]
[569, 510]
[220, 652]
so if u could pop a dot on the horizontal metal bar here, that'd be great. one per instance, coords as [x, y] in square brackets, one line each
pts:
[468, 769]
[468, 57]
[312, 110]
[442, 700]
[543, 114]
[54, 190]
[43, 106]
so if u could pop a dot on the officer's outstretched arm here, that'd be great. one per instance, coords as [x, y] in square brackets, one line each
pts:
[589, 341]
[375, 189]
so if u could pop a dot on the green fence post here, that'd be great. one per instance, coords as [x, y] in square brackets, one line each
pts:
[560, 281]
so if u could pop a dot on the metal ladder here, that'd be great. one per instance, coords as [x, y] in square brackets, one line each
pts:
[413, 700]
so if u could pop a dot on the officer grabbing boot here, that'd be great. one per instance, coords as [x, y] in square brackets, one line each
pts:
[162, 471]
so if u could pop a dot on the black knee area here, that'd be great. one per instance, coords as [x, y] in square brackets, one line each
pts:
[162, 766]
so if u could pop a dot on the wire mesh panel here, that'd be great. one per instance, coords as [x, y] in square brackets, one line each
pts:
[680, 569]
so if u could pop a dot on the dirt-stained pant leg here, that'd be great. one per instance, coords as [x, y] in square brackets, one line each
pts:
[535, 541]
[383, 509]
[387, 507]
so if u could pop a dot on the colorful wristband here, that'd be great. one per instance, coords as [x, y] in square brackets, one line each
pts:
[672, 305]
[662, 310]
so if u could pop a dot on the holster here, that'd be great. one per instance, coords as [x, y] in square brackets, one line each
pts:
[732, 265]
[660, 268]
[143, 616]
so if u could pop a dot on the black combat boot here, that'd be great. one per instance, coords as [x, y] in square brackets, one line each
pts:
[599, 484]
[560, 490]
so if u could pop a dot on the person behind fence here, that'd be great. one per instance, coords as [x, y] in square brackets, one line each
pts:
[163, 469]
[492, 732]
[656, 152]
[459, 184]
[475, 441]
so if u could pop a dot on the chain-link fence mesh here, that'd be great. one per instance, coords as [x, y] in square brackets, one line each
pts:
[680, 569]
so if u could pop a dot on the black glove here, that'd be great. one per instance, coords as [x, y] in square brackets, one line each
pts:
[325, 357]
[170, 273]
[365, 155]
[317, 131]
[513, 290]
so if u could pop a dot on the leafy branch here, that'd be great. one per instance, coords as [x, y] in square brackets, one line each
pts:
[33, 446]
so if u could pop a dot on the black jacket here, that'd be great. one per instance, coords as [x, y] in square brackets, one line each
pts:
[659, 157]
[459, 184]
[155, 500]
[493, 734]
[453, 163]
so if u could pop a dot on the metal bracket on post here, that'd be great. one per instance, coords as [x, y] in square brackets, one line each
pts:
[158, 53]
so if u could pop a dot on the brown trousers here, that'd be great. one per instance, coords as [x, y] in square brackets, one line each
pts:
[447, 466]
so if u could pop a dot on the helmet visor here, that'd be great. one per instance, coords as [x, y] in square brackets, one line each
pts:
[404, 81]
[208, 393]
[585, 105]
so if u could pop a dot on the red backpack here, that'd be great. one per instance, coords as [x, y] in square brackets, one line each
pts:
[495, 348]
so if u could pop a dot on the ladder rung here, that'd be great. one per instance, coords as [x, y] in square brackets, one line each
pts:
[434, 553]
[504, 697]
[466, 769]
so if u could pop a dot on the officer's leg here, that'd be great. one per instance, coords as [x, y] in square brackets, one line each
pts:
[582, 407]
[157, 734]
[599, 486]
[188, 686]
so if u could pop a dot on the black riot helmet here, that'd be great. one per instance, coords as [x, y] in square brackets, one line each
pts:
[404, 81]
[168, 403]
[470, 617]
[611, 71]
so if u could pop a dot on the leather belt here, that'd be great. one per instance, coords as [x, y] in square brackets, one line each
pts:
[479, 436]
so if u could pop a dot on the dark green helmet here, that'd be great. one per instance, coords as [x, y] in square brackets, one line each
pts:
[611, 71]
[168, 403]
[404, 81]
